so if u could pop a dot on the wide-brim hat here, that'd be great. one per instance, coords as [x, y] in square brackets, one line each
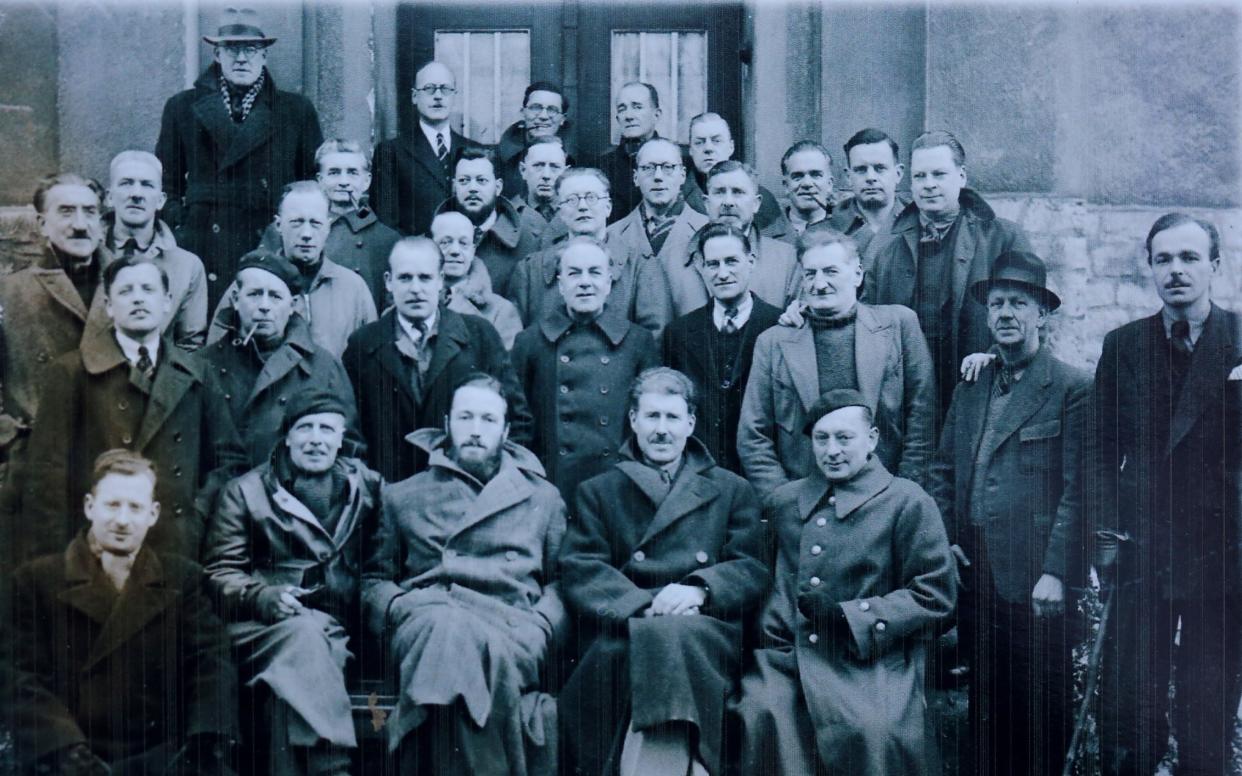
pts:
[239, 25]
[1018, 268]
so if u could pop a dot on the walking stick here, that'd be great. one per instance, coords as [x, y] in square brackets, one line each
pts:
[1108, 543]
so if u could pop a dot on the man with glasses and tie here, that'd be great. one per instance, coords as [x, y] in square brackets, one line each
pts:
[229, 145]
[411, 173]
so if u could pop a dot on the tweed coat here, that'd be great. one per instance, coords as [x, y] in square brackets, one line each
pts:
[503, 246]
[894, 375]
[388, 409]
[462, 583]
[408, 180]
[1031, 470]
[578, 380]
[257, 406]
[626, 544]
[181, 426]
[685, 285]
[123, 672]
[223, 180]
[776, 277]
[473, 295]
[875, 551]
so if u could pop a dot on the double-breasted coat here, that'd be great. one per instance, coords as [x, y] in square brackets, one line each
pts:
[408, 180]
[388, 408]
[578, 380]
[873, 549]
[126, 673]
[181, 426]
[627, 542]
[224, 179]
[894, 376]
[685, 285]
[462, 584]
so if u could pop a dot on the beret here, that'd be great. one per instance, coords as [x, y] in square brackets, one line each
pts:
[831, 402]
[310, 403]
[266, 260]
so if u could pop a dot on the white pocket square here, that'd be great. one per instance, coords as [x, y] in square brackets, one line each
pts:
[1236, 374]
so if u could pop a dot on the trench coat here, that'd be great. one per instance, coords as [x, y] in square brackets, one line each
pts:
[462, 584]
[685, 285]
[578, 380]
[181, 427]
[473, 295]
[123, 672]
[408, 180]
[851, 695]
[627, 543]
[224, 180]
[257, 404]
[894, 376]
[261, 536]
[503, 246]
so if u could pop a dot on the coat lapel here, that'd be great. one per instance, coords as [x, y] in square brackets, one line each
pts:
[58, 286]
[145, 596]
[798, 348]
[963, 258]
[86, 588]
[281, 363]
[173, 379]
[451, 338]
[422, 152]
[1028, 395]
[1214, 355]
[505, 490]
[210, 112]
[255, 130]
[690, 492]
[870, 354]
[388, 357]
[290, 505]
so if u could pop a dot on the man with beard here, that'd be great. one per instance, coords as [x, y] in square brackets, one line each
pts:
[120, 664]
[268, 358]
[128, 387]
[661, 228]
[864, 577]
[357, 240]
[229, 146]
[135, 194]
[335, 301]
[733, 198]
[637, 111]
[282, 558]
[873, 173]
[544, 111]
[806, 171]
[711, 142]
[575, 363]
[500, 238]
[405, 365]
[582, 193]
[412, 173]
[466, 281]
[541, 164]
[664, 566]
[461, 585]
[877, 350]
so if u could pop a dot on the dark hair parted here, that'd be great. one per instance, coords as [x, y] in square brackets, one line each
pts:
[665, 380]
[940, 137]
[718, 229]
[546, 86]
[1174, 220]
[799, 147]
[471, 153]
[121, 461]
[651, 90]
[870, 136]
[125, 262]
[479, 379]
[49, 182]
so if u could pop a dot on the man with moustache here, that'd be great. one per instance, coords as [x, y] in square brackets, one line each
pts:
[544, 111]
[873, 172]
[864, 578]
[1007, 481]
[877, 350]
[637, 112]
[575, 364]
[466, 281]
[943, 242]
[334, 301]
[500, 237]
[541, 164]
[1167, 475]
[405, 366]
[229, 146]
[711, 142]
[358, 240]
[583, 197]
[661, 228]
[135, 195]
[268, 358]
[120, 664]
[128, 387]
[806, 171]
[282, 558]
[461, 584]
[715, 344]
[733, 198]
[411, 174]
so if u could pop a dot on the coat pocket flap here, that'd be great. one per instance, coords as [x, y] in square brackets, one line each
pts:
[1048, 430]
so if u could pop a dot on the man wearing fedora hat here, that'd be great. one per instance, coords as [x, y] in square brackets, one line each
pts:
[1006, 480]
[229, 146]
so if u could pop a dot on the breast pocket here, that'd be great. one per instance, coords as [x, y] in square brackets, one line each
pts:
[1040, 449]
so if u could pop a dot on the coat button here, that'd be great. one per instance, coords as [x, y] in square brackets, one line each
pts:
[821, 522]
[639, 555]
[603, 421]
[864, 606]
[358, 244]
[510, 555]
[813, 638]
[177, 437]
[283, 400]
[604, 359]
[122, 405]
[178, 511]
[263, 182]
[880, 626]
[816, 549]
[176, 471]
[832, 501]
[228, 397]
[215, 229]
[42, 357]
[815, 581]
[607, 453]
[450, 553]
[212, 277]
[564, 359]
[700, 556]
[564, 389]
[564, 451]
[127, 439]
[603, 389]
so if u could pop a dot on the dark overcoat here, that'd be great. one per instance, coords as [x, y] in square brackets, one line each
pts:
[503, 246]
[223, 180]
[408, 181]
[511, 150]
[123, 672]
[388, 410]
[626, 544]
[875, 549]
[181, 426]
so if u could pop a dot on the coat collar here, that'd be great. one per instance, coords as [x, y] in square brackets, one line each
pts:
[512, 484]
[288, 503]
[690, 491]
[294, 352]
[610, 323]
[55, 281]
[973, 208]
[236, 141]
[508, 226]
[849, 495]
[1025, 398]
[359, 219]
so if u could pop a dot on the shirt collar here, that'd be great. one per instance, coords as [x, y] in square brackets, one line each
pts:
[410, 331]
[1196, 324]
[744, 309]
[431, 135]
[129, 346]
[798, 223]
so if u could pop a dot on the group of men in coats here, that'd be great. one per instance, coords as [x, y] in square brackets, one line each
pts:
[638, 471]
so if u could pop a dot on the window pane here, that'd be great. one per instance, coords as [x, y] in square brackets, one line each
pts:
[675, 63]
[492, 69]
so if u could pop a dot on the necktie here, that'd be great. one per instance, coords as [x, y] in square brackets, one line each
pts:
[142, 371]
[441, 148]
[145, 365]
[478, 235]
[127, 250]
[1180, 334]
[730, 321]
[666, 477]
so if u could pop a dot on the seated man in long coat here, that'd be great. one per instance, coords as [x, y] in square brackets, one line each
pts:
[664, 564]
[118, 661]
[283, 556]
[461, 586]
[864, 575]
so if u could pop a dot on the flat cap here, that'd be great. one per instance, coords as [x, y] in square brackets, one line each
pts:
[832, 401]
[274, 263]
